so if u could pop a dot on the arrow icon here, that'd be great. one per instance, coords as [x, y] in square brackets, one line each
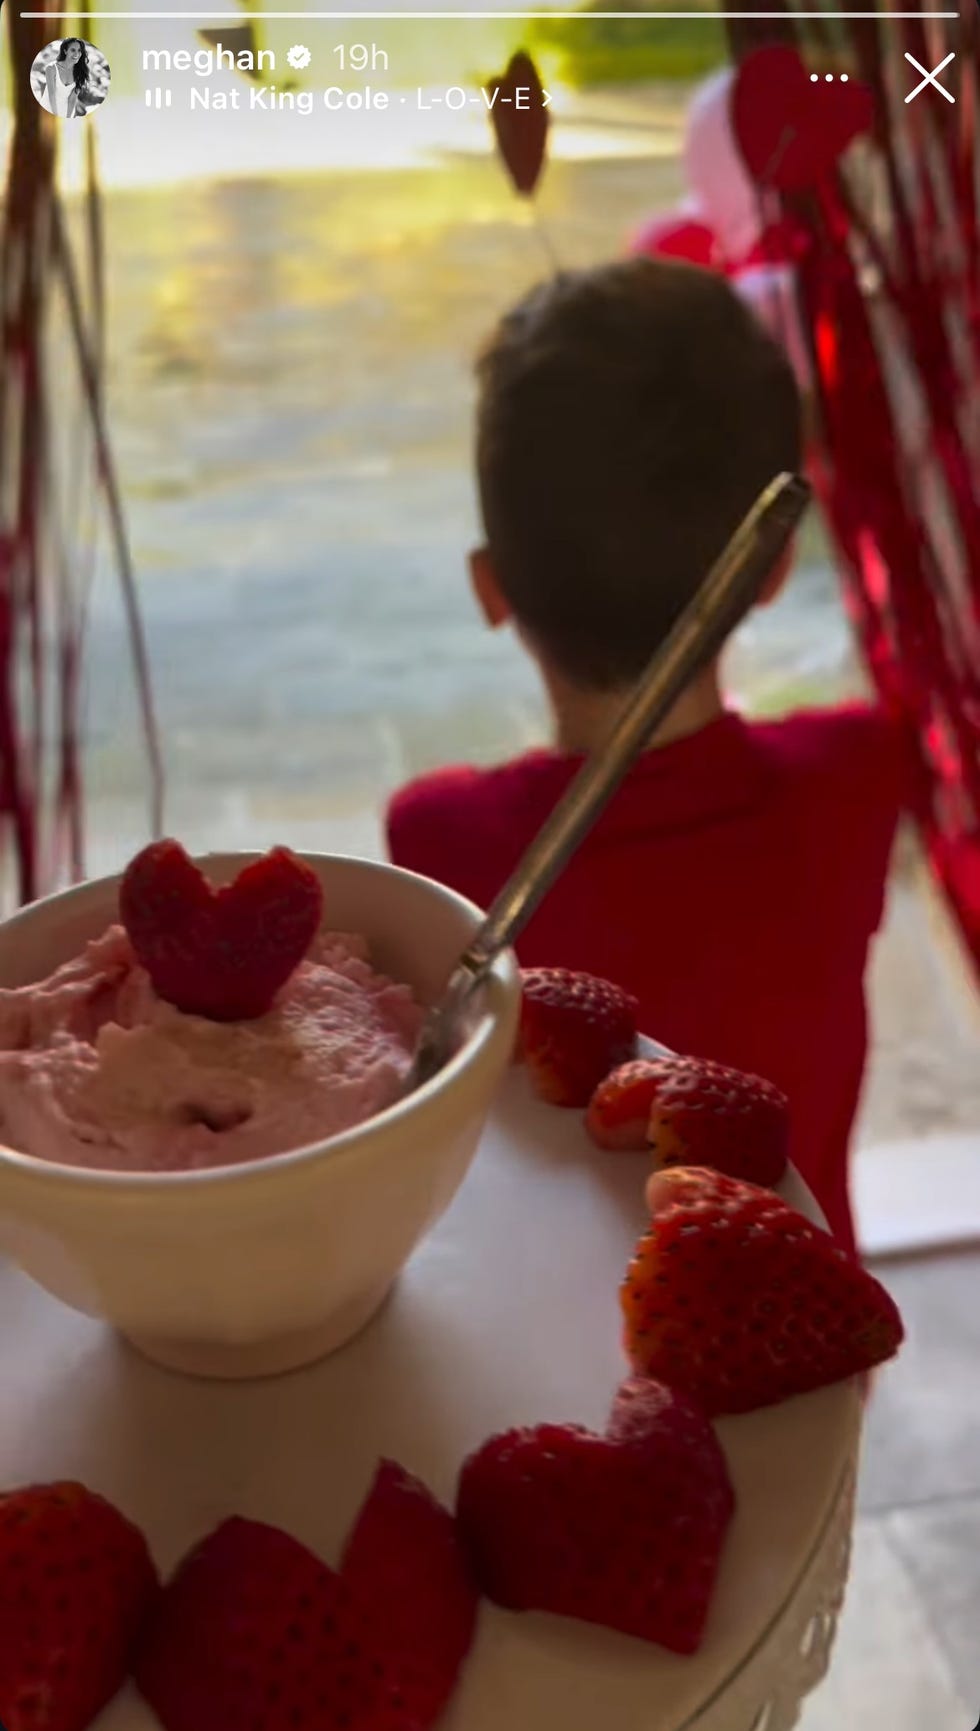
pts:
[546, 98]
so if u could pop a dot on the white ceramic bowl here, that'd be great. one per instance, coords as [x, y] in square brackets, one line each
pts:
[252, 1270]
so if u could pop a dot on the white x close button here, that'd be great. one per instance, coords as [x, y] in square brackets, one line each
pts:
[930, 78]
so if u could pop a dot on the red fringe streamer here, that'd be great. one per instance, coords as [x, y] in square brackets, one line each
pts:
[45, 566]
[889, 278]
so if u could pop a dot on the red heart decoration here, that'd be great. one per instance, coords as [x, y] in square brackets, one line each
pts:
[624, 1530]
[791, 131]
[253, 1623]
[521, 132]
[221, 953]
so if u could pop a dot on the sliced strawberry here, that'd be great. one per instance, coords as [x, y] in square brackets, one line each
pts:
[692, 1112]
[76, 1585]
[735, 1299]
[223, 953]
[640, 1406]
[404, 1560]
[254, 1629]
[619, 1110]
[707, 1114]
[574, 1029]
[624, 1530]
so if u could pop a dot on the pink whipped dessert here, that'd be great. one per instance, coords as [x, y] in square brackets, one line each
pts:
[98, 1070]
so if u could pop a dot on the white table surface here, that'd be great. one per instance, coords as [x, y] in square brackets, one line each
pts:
[507, 1315]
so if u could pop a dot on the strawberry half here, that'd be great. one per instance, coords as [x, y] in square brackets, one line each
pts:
[76, 1584]
[707, 1114]
[619, 1110]
[220, 953]
[693, 1112]
[624, 1530]
[404, 1560]
[254, 1628]
[735, 1299]
[574, 1029]
[253, 1620]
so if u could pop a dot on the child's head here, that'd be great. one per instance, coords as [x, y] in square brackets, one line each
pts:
[628, 418]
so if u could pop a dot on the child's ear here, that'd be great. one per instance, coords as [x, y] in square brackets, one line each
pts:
[490, 598]
[775, 583]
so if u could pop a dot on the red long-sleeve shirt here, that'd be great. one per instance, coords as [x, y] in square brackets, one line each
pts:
[733, 885]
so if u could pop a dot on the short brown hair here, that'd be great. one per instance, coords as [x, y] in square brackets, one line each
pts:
[628, 417]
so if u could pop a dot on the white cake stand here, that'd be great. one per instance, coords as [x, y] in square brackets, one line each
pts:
[508, 1315]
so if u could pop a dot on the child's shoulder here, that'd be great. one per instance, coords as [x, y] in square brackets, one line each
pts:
[467, 786]
[844, 776]
[463, 804]
[853, 744]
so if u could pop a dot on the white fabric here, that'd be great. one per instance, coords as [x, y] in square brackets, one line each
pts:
[62, 94]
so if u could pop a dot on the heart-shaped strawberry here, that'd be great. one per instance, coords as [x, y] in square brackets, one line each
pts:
[519, 114]
[624, 1530]
[253, 1628]
[791, 131]
[221, 953]
[739, 1301]
[253, 1623]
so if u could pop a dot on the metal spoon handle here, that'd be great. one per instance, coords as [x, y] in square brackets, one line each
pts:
[727, 592]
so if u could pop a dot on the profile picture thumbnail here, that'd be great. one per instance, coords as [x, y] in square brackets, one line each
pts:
[70, 78]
